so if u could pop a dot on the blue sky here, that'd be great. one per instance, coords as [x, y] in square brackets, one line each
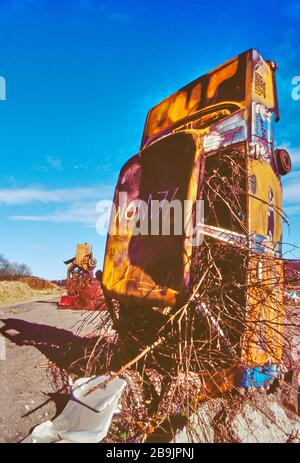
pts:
[81, 76]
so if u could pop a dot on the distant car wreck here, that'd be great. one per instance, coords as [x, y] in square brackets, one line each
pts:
[84, 290]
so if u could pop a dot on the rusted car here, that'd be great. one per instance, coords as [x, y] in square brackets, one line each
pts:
[222, 122]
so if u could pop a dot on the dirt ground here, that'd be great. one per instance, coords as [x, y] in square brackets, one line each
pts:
[34, 333]
[31, 334]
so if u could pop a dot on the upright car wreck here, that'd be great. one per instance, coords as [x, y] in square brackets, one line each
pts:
[213, 141]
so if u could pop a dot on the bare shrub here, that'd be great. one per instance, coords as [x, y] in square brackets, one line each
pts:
[12, 270]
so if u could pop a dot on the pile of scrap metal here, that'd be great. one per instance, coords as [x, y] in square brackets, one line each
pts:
[292, 273]
[196, 315]
[292, 297]
[84, 291]
[292, 281]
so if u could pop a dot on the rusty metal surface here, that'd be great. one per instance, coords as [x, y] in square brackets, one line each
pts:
[217, 307]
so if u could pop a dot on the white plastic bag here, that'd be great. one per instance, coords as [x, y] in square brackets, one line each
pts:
[84, 419]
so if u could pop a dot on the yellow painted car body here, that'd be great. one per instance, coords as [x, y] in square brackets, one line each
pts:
[233, 106]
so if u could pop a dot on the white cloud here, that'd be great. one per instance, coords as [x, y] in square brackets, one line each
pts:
[291, 192]
[292, 210]
[51, 163]
[55, 163]
[10, 197]
[291, 187]
[81, 212]
[295, 155]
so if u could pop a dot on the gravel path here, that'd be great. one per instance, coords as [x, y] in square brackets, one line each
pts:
[31, 334]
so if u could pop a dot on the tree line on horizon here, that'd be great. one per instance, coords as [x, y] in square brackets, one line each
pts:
[12, 270]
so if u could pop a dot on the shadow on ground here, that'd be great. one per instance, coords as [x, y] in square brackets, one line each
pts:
[60, 346]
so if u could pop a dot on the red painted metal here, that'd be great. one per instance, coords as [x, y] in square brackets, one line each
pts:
[84, 293]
